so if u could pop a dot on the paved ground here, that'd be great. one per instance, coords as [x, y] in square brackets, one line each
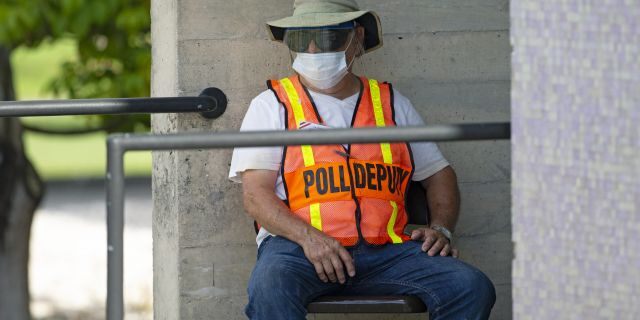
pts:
[68, 251]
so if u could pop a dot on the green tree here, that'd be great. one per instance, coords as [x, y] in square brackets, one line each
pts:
[114, 47]
[114, 53]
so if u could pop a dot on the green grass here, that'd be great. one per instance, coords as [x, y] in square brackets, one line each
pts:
[33, 68]
[55, 156]
[83, 156]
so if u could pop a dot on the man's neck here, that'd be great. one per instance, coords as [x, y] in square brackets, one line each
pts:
[348, 86]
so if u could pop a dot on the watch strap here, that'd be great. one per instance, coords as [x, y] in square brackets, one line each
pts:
[446, 232]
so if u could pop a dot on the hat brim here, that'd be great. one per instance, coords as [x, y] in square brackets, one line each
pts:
[367, 19]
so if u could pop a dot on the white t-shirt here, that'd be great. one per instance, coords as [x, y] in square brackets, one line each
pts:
[266, 113]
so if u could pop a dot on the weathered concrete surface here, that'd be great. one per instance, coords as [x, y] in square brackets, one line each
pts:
[166, 276]
[576, 159]
[241, 18]
[450, 58]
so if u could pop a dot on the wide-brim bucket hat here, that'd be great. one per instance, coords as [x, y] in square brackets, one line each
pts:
[321, 13]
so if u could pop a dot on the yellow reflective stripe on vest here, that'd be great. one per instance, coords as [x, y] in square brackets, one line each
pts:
[298, 114]
[392, 221]
[386, 153]
[379, 115]
[307, 151]
[316, 218]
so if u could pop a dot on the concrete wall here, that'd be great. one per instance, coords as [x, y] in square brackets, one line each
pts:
[450, 58]
[576, 156]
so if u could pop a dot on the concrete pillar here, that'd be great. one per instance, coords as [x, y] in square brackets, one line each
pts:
[451, 59]
[576, 159]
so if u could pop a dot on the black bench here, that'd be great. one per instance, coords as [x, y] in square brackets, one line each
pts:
[367, 304]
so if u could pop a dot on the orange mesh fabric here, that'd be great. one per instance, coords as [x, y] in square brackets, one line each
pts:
[329, 178]
[375, 216]
[377, 211]
[322, 182]
[339, 221]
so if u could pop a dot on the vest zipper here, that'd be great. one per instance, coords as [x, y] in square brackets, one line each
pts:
[358, 212]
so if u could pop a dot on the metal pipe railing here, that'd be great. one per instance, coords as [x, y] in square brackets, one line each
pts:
[211, 103]
[117, 145]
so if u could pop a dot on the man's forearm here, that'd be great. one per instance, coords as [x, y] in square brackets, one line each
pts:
[271, 213]
[443, 198]
[327, 255]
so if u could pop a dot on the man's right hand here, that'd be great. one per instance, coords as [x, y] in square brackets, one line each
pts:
[328, 257]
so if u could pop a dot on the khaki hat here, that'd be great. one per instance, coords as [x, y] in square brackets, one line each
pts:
[321, 13]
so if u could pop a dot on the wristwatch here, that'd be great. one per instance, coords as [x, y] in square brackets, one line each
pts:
[443, 230]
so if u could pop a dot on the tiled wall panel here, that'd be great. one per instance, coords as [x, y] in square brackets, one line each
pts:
[576, 159]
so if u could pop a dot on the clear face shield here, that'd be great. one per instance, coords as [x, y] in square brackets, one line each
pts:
[318, 40]
[336, 38]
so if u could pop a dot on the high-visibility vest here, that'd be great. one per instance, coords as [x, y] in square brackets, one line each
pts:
[350, 193]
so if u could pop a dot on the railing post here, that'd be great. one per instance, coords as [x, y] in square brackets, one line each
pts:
[115, 227]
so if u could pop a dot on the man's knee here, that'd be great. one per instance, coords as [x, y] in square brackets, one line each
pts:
[469, 295]
[485, 288]
[273, 294]
[477, 287]
[268, 281]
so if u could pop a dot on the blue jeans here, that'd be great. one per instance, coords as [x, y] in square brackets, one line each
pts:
[283, 281]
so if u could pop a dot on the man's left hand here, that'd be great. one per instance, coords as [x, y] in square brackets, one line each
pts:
[434, 242]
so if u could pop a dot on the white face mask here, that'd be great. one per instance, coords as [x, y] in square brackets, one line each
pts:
[321, 70]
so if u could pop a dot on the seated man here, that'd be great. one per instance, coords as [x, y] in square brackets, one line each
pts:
[332, 217]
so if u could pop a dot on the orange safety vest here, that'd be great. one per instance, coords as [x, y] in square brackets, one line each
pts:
[351, 193]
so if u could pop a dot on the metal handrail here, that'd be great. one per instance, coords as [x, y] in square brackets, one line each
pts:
[211, 103]
[118, 144]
